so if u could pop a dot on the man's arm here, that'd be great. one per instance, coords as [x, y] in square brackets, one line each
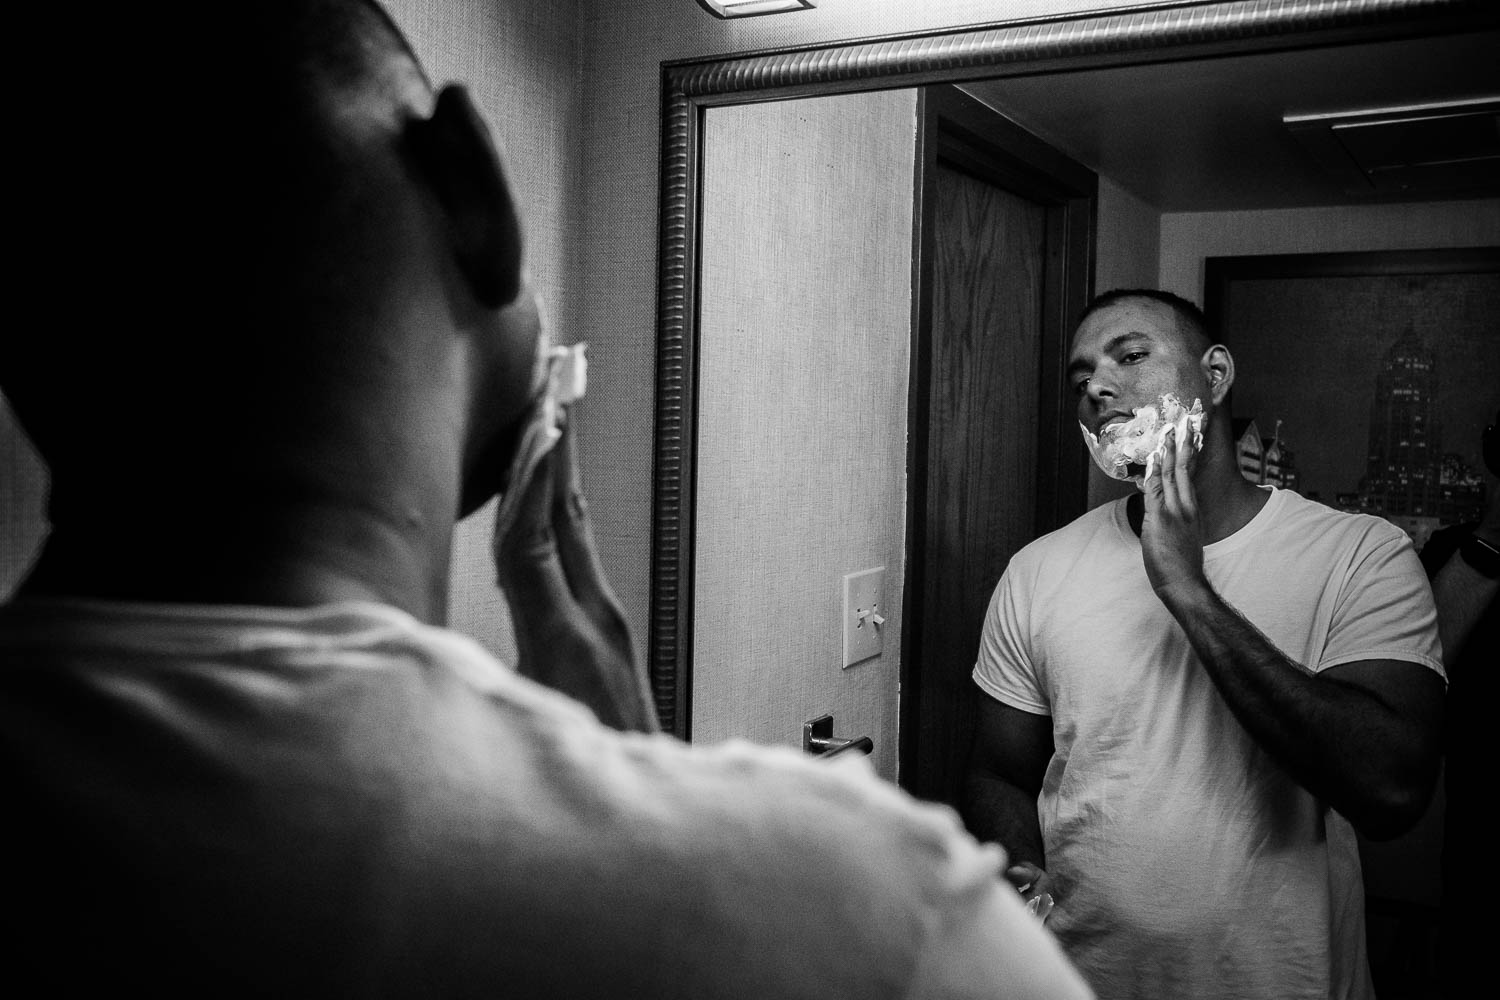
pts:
[571, 633]
[1362, 736]
[1463, 594]
[1007, 763]
[1365, 736]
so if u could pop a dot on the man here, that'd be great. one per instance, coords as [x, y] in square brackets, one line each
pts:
[1195, 696]
[293, 342]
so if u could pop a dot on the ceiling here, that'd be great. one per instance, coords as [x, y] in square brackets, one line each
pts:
[1210, 135]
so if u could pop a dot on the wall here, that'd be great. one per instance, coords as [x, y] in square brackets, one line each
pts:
[520, 61]
[1128, 246]
[1188, 237]
[804, 360]
[23, 498]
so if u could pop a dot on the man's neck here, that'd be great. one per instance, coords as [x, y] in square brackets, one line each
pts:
[290, 558]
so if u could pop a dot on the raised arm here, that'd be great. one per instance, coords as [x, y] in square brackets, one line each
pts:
[570, 631]
[1007, 762]
[1365, 736]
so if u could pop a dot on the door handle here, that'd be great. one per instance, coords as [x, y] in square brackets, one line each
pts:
[818, 739]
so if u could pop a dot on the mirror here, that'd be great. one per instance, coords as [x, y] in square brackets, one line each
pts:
[1177, 109]
[770, 312]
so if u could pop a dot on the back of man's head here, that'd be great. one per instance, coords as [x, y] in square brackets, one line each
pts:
[197, 191]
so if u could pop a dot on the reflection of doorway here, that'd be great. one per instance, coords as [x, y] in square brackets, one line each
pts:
[1005, 237]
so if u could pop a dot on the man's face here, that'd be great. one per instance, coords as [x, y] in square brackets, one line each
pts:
[1127, 355]
[512, 373]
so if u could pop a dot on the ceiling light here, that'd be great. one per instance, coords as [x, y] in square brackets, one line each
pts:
[748, 8]
[1450, 147]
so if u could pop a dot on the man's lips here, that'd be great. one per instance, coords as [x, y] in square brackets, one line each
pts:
[1110, 418]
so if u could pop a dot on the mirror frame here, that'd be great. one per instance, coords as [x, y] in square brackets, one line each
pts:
[1122, 36]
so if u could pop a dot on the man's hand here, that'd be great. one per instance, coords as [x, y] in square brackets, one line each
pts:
[570, 630]
[1029, 879]
[1036, 887]
[1171, 532]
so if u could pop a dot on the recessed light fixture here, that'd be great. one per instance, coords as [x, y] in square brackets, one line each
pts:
[749, 8]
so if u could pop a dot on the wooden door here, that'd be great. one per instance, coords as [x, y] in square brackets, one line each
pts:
[1004, 257]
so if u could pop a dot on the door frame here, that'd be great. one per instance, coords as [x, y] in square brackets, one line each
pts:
[959, 131]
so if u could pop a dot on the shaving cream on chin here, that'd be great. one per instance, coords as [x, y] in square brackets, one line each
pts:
[1131, 448]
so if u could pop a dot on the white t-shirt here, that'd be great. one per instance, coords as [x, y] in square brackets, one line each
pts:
[1193, 865]
[341, 801]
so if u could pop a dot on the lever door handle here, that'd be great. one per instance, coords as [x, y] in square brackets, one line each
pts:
[818, 739]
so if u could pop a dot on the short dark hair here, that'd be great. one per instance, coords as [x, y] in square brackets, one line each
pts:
[1187, 312]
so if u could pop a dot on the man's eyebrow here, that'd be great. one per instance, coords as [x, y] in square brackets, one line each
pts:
[1116, 342]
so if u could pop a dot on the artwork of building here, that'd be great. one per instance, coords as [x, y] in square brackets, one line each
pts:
[1403, 465]
[1409, 479]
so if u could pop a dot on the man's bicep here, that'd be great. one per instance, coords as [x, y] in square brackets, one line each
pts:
[1410, 689]
[1012, 745]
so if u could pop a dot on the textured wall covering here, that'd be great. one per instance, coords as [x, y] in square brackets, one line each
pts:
[804, 360]
[1188, 237]
[519, 60]
[23, 498]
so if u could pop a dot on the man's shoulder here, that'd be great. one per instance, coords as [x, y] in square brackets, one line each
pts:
[1312, 519]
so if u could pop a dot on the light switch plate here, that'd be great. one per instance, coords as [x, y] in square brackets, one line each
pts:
[863, 601]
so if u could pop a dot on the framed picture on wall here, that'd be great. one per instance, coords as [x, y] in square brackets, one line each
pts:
[1365, 380]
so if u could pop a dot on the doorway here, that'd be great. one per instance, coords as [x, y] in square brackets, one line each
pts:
[1003, 263]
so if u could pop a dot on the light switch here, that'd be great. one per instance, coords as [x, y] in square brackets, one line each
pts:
[864, 614]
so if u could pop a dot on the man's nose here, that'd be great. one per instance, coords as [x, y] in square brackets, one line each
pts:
[1100, 388]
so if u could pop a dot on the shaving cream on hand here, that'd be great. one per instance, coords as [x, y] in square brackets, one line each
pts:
[566, 380]
[1139, 443]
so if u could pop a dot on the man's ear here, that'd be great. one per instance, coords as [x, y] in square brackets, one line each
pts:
[458, 158]
[1218, 367]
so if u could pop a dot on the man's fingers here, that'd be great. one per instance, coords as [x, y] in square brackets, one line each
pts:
[1174, 478]
[575, 532]
[1169, 470]
[1023, 875]
[1184, 499]
[527, 556]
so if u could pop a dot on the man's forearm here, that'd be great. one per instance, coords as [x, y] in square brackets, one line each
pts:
[1340, 741]
[996, 810]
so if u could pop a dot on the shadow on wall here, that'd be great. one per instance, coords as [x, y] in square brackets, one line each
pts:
[23, 502]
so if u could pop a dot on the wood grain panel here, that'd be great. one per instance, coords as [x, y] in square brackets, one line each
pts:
[990, 256]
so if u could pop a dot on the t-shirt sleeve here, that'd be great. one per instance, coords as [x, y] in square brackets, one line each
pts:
[1005, 669]
[1385, 610]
